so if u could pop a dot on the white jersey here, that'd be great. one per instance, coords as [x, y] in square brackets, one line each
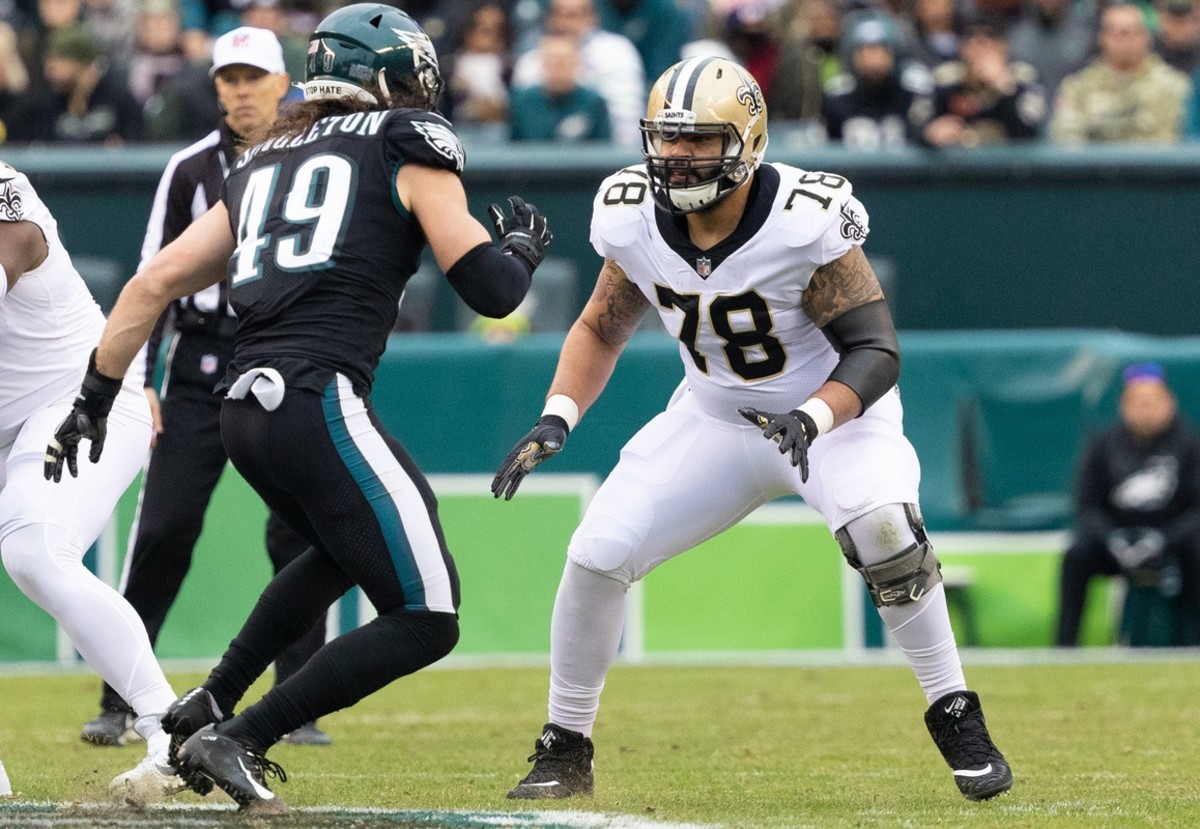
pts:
[736, 308]
[49, 322]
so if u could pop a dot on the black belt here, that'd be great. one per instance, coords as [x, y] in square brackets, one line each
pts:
[213, 324]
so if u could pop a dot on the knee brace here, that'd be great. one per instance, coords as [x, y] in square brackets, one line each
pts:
[904, 577]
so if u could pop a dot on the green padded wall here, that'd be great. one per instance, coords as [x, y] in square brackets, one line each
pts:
[999, 237]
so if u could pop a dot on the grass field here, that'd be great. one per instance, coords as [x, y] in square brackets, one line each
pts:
[1092, 745]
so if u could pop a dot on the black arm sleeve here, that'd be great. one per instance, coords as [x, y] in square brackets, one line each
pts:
[866, 340]
[490, 282]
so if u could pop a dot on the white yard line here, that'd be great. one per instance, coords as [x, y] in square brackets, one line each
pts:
[38, 815]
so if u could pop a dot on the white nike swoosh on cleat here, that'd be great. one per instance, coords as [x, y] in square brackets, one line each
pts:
[267, 794]
[547, 783]
[968, 773]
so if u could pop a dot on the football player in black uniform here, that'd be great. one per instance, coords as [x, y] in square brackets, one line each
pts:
[319, 226]
[189, 456]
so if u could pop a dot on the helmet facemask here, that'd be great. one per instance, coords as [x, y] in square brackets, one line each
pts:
[685, 184]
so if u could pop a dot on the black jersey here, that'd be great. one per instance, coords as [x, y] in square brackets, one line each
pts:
[324, 247]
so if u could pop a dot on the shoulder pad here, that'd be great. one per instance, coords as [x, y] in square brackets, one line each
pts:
[949, 73]
[818, 203]
[619, 210]
[423, 137]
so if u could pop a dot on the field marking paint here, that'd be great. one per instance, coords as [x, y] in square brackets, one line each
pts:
[37, 815]
[1008, 657]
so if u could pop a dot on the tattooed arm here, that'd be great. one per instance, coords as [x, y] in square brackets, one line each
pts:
[837, 287]
[845, 301]
[598, 337]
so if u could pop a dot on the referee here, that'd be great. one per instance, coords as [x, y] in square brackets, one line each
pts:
[188, 456]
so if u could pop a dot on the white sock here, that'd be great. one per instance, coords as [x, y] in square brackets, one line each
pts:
[589, 613]
[922, 630]
[157, 743]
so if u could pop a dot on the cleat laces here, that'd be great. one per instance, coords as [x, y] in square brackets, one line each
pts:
[266, 768]
[966, 743]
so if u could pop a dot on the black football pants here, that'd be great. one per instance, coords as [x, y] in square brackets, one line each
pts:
[325, 464]
[179, 481]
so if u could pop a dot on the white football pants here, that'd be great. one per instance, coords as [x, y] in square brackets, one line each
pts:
[686, 476]
[46, 528]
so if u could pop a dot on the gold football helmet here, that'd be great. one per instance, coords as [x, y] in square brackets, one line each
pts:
[703, 95]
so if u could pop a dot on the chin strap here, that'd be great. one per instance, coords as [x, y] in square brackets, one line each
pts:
[705, 194]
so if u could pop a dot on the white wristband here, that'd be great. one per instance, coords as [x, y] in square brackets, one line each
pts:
[3, 282]
[819, 411]
[566, 408]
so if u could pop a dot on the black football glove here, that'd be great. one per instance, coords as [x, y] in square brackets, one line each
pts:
[794, 431]
[544, 440]
[88, 419]
[524, 233]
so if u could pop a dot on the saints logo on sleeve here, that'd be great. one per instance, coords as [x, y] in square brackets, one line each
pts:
[11, 208]
[854, 227]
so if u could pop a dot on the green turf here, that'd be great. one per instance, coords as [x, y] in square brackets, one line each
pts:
[1092, 745]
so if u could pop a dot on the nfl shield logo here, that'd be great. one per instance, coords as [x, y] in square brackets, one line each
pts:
[703, 266]
[209, 363]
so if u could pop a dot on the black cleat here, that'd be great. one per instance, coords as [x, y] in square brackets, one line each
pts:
[184, 717]
[562, 766]
[239, 771]
[956, 724]
[110, 728]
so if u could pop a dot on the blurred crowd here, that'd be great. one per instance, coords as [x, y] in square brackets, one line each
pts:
[865, 73]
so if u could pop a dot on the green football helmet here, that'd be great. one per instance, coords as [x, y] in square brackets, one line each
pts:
[365, 50]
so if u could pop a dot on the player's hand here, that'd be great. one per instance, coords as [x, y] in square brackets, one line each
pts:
[544, 440]
[523, 231]
[794, 431]
[88, 419]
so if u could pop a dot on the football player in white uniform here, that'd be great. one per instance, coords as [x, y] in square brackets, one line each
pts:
[759, 271]
[48, 324]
